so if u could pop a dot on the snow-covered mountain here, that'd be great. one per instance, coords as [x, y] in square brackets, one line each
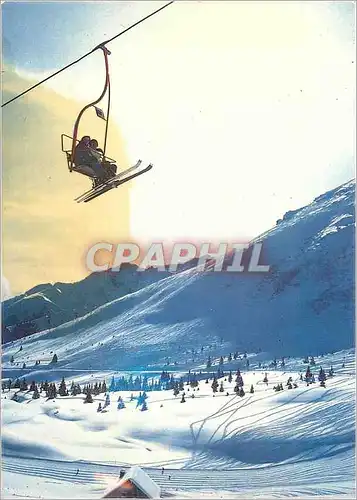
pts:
[296, 442]
[305, 304]
[49, 305]
[305, 300]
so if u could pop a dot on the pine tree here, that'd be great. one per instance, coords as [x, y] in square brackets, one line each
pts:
[241, 392]
[144, 406]
[214, 385]
[322, 375]
[54, 359]
[12, 359]
[112, 386]
[183, 400]
[62, 390]
[23, 385]
[239, 381]
[24, 366]
[76, 389]
[88, 398]
[99, 409]
[32, 386]
[221, 361]
[230, 357]
[35, 394]
[251, 389]
[51, 391]
[221, 388]
[308, 374]
[230, 378]
[107, 400]
[265, 379]
[209, 362]
[121, 404]
[331, 372]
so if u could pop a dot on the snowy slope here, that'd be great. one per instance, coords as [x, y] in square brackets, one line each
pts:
[50, 305]
[295, 442]
[305, 297]
[304, 305]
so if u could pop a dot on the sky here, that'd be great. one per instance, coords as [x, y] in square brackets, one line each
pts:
[246, 109]
[45, 234]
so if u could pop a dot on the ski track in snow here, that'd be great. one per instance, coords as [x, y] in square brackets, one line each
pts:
[323, 465]
[292, 443]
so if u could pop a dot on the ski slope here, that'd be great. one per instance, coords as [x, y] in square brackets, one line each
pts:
[311, 257]
[295, 309]
[294, 442]
[291, 443]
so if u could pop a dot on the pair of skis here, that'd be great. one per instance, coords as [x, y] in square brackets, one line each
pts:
[114, 182]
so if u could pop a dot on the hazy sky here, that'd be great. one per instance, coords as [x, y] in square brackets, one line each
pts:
[246, 109]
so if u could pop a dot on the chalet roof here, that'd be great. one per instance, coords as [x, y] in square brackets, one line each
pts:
[141, 480]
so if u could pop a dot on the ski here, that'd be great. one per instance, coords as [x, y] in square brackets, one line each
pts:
[113, 185]
[109, 182]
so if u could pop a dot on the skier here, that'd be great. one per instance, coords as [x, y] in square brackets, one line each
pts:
[85, 155]
[98, 152]
[111, 168]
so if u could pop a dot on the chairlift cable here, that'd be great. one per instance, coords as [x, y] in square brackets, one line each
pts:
[98, 47]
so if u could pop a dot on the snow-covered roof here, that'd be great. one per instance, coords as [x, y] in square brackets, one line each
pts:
[141, 480]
